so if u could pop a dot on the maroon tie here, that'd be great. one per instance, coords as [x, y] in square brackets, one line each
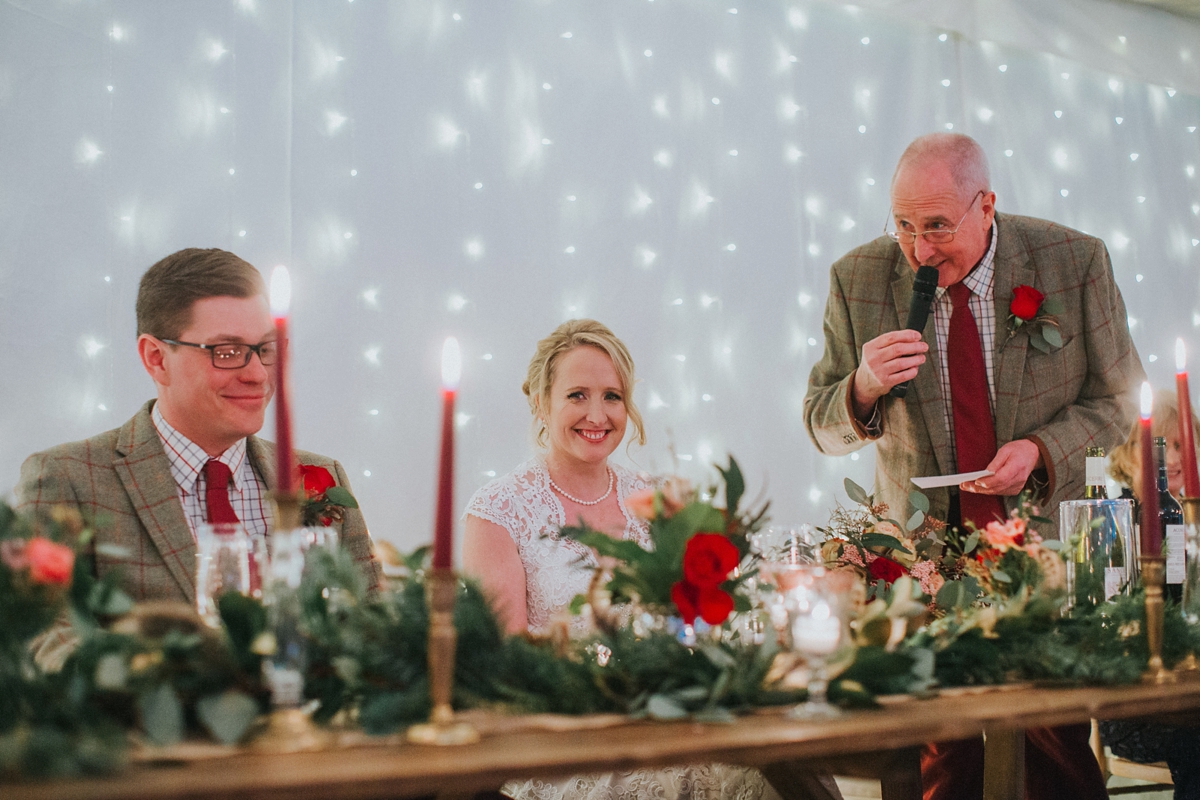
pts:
[216, 497]
[974, 429]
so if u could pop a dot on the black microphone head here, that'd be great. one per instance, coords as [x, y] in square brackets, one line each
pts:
[926, 281]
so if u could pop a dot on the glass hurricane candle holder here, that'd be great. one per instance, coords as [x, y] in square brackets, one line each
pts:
[223, 554]
[818, 605]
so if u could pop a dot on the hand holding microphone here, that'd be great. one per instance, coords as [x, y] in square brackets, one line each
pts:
[924, 290]
[891, 360]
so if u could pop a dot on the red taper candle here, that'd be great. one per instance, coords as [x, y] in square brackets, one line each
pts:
[285, 459]
[443, 532]
[1151, 533]
[1187, 435]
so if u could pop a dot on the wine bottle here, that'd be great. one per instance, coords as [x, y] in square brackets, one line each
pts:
[1096, 485]
[1170, 518]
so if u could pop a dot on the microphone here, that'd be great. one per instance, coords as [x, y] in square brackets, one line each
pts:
[924, 288]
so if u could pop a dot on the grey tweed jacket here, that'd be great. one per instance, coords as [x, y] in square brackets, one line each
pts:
[1079, 395]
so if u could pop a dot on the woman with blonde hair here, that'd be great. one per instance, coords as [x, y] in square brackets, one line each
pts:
[580, 392]
[1125, 461]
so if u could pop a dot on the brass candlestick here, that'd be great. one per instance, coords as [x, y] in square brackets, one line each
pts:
[1153, 572]
[1190, 668]
[441, 589]
[289, 728]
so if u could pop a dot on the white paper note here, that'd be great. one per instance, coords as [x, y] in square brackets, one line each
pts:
[934, 481]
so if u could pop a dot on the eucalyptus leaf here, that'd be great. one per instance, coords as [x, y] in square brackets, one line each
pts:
[971, 543]
[1052, 306]
[916, 519]
[227, 716]
[856, 492]
[1001, 576]
[1037, 341]
[339, 496]
[690, 694]
[662, 707]
[111, 672]
[162, 715]
[719, 658]
[919, 501]
[971, 584]
[883, 540]
[1052, 335]
[953, 595]
[716, 714]
[1052, 544]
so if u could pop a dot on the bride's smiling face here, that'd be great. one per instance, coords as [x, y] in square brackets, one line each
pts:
[586, 418]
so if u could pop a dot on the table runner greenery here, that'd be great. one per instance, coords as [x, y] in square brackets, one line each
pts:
[159, 675]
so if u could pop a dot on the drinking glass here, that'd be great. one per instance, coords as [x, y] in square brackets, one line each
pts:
[284, 669]
[222, 565]
[818, 605]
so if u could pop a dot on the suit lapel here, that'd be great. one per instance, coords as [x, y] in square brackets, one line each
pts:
[142, 465]
[262, 460]
[1012, 268]
[924, 390]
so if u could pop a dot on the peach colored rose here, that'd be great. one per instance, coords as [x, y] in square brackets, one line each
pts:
[49, 562]
[642, 503]
[1004, 536]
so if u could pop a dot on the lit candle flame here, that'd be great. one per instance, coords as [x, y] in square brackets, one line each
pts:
[1180, 355]
[1147, 400]
[281, 291]
[451, 364]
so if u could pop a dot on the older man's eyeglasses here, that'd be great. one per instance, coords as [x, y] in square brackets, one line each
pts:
[933, 235]
[235, 356]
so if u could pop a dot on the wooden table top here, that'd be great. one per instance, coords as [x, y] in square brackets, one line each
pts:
[397, 770]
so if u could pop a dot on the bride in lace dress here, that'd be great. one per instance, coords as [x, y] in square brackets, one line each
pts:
[580, 392]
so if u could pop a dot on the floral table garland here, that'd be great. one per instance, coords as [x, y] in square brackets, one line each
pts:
[986, 612]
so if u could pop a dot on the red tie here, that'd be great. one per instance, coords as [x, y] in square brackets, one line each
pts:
[218, 476]
[974, 429]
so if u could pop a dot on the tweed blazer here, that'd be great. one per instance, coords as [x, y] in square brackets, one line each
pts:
[1079, 395]
[122, 478]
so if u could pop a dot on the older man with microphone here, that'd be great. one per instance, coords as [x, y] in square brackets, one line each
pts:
[970, 392]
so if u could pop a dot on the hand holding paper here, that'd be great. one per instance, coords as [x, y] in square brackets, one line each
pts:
[934, 481]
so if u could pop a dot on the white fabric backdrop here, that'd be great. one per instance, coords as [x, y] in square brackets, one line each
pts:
[680, 171]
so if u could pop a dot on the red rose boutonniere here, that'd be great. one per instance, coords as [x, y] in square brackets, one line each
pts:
[324, 501]
[1031, 307]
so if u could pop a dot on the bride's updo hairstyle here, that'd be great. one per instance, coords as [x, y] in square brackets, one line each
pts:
[566, 337]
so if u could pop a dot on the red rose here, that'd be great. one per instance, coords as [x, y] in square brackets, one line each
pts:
[1026, 302]
[711, 604]
[316, 480]
[49, 562]
[886, 570]
[708, 560]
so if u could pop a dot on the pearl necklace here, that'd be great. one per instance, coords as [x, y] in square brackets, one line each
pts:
[612, 480]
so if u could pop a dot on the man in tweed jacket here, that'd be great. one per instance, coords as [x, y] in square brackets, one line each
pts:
[1046, 407]
[136, 480]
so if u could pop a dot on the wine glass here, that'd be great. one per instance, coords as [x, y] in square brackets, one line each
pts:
[222, 565]
[818, 607]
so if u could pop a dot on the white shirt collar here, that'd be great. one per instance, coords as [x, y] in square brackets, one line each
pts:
[187, 458]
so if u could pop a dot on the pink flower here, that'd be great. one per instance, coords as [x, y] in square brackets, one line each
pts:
[49, 562]
[641, 503]
[12, 553]
[927, 575]
[1003, 536]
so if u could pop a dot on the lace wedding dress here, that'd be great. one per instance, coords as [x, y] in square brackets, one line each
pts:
[556, 570]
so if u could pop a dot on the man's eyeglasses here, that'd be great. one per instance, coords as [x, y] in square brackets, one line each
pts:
[934, 236]
[235, 356]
